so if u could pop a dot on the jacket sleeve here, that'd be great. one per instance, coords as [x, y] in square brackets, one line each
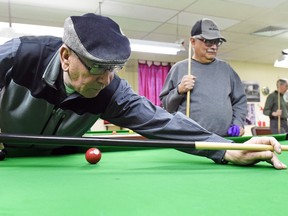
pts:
[239, 101]
[169, 96]
[127, 109]
[7, 52]
[269, 105]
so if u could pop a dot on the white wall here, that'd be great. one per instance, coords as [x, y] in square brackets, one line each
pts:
[265, 75]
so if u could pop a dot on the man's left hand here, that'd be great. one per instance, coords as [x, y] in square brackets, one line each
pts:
[251, 157]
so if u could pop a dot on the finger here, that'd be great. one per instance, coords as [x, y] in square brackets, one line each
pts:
[266, 141]
[262, 155]
[277, 163]
[256, 157]
[242, 131]
[267, 156]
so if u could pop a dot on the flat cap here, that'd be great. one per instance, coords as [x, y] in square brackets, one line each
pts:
[96, 38]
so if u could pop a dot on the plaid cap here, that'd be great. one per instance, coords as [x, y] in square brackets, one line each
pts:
[96, 38]
[206, 28]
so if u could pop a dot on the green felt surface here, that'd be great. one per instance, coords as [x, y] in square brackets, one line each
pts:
[107, 132]
[279, 137]
[139, 183]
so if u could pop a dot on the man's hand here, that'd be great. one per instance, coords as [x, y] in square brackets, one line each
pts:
[248, 157]
[242, 131]
[187, 83]
[277, 113]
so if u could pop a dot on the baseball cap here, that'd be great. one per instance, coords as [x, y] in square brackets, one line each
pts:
[206, 28]
[96, 38]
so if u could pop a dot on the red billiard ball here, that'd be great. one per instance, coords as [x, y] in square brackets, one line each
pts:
[93, 155]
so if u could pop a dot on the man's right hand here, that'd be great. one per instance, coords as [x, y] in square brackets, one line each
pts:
[277, 113]
[187, 83]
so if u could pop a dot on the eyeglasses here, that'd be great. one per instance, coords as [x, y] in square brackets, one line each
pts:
[98, 69]
[210, 43]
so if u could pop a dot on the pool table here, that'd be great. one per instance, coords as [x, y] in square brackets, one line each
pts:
[127, 134]
[145, 182]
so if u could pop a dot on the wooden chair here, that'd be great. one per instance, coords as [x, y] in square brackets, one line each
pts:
[260, 131]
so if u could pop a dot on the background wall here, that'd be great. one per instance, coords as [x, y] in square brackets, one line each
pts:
[265, 75]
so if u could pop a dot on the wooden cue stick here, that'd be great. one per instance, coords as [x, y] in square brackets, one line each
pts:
[189, 73]
[92, 141]
[279, 117]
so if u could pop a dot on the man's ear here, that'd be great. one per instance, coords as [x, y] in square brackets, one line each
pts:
[192, 41]
[65, 53]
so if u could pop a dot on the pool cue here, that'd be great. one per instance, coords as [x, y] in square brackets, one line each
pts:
[279, 117]
[92, 141]
[189, 73]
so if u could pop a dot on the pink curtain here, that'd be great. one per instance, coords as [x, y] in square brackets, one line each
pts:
[151, 79]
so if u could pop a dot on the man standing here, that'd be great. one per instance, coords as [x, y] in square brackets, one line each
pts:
[218, 101]
[275, 108]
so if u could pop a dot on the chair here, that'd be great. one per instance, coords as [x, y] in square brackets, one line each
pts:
[260, 131]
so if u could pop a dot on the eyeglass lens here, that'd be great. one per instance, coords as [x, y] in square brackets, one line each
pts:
[210, 43]
[99, 69]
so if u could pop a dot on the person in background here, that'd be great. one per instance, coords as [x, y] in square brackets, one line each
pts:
[53, 86]
[273, 110]
[218, 101]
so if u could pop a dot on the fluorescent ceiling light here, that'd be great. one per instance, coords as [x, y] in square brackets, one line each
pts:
[18, 30]
[27, 29]
[282, 61]
[155, 47]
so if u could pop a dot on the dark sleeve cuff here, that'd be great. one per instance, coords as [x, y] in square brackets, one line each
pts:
[223, 161]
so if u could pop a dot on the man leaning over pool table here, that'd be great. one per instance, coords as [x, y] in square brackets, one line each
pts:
[60, 87]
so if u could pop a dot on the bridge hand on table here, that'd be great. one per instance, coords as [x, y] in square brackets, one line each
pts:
[249, 157]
